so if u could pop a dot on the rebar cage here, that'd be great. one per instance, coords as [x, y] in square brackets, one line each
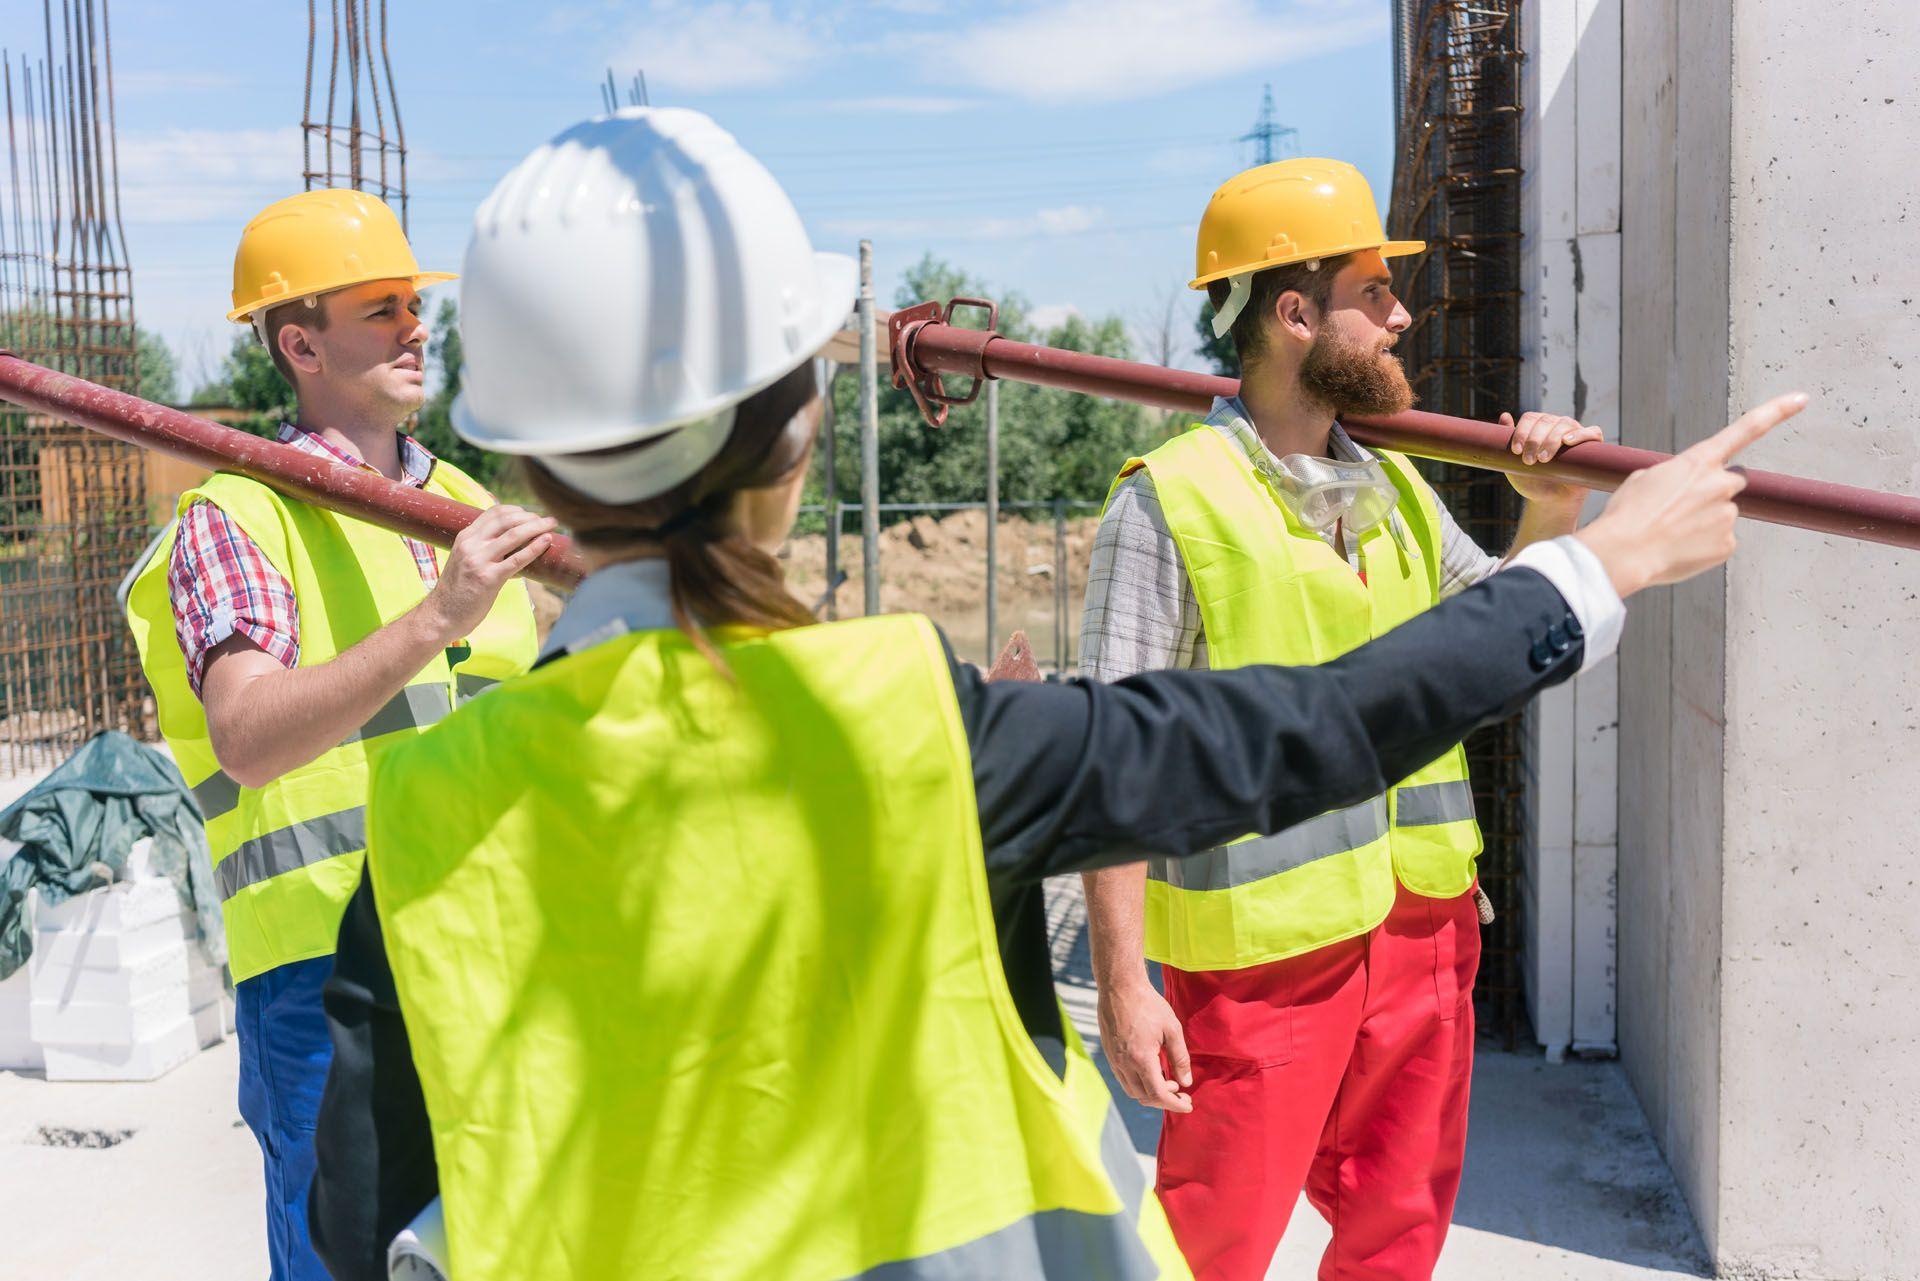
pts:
[1456, 185]
[73, 506]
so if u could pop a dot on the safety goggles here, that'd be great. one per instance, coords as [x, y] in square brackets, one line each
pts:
[1321, 491]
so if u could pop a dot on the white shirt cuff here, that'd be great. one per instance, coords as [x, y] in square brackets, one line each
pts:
[1577, 574]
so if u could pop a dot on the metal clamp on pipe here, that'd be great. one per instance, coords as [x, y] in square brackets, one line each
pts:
[927, 346]
[969, 347]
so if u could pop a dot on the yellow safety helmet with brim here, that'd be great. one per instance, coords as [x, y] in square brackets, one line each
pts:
[317, 242]
[1290, 211]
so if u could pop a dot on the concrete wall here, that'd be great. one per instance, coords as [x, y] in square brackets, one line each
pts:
[1821, 950]
[1675, 185]
[1570, 316]
[1769, 851]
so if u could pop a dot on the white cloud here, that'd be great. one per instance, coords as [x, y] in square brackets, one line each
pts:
[187, 175]
[1054, 314]
[1064, 221]
[1067, 219]
[1101, 50]
[198, 175]
[734, 44]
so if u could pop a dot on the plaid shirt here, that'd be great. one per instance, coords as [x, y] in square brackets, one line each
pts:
[1141, 614]
[222, 584]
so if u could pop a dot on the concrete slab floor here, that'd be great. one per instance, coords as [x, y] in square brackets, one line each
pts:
[1563, 1182]
[178, 1198]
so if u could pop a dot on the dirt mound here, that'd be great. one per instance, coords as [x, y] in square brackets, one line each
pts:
[939, 568]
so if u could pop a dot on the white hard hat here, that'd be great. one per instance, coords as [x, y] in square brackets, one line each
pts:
[641, 274]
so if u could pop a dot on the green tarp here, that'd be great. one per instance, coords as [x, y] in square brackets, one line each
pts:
[77, 826]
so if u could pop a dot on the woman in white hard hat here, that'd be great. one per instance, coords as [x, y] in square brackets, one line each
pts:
[729, 960]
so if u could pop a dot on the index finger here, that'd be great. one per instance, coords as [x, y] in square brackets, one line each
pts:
[1718, 449]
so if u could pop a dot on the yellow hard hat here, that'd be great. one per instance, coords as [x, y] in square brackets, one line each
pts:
[1289, 211]
[316, 242]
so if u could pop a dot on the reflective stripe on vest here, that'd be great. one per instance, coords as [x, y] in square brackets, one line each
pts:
[1428, 803]
[291, 848]
[216, 794]
[274, 848]
[1053, 1243]
[415, 707]
[1272, 591]
[468, 686]
[1243, 862]
[731, 971]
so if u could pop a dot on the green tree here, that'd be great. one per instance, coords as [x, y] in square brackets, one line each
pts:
[159, 379]
[434, 427]
[1219, 352]
[1053, 444]
[248, 380]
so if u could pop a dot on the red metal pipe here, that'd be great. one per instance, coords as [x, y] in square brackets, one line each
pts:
[367, 495]
[924, 347]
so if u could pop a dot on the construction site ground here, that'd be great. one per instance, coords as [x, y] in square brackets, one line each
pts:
[938, 567]
[1563, 1182]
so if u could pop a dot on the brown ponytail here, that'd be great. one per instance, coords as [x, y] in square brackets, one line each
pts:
[717, 575]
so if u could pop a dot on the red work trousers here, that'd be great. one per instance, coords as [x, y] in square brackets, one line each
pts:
[1343, 1072]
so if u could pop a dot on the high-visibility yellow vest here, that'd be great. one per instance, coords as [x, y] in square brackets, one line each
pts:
[1271, 590]
[702, 980]
[286, 856]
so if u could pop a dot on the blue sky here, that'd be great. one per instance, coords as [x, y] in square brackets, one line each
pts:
[1061, 148]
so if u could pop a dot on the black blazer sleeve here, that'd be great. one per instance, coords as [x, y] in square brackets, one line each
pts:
[1080, 775]
[373, 1149]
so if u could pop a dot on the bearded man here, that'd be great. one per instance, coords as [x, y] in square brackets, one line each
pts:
[1316, 1030]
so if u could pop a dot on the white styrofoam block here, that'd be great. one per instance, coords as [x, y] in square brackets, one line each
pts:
[139, 978]
[140, 861]
[141, 1061]
[213, 1023]
[107, 949]
[108, 1022]
[205, 983]
[18, 1049]
[122, 907]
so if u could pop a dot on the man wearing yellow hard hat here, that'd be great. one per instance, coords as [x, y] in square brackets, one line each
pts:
[1317, 1026]
[289, 646]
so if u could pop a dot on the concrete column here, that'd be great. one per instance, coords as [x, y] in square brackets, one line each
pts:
[1770, 713]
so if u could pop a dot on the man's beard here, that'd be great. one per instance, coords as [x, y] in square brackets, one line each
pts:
[1354, 378]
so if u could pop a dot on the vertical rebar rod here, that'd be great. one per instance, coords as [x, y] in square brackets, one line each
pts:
[333, 84]
[1060, 585]
[373, 84]
[393, 100]
[354, 141]
[306, 103]
[993, 516]
[113, 137]
[869, 436]
[830, 485]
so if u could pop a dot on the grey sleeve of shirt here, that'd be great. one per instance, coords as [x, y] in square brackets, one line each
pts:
[1462, 561]
[1141, 614]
